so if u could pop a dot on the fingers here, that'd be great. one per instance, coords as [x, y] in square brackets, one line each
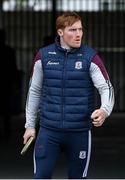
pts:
[25, 139]
[98, 117]
[97, 123]
[28, 133]
[95, 115]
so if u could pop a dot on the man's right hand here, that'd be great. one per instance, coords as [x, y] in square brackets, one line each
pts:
[28, 133]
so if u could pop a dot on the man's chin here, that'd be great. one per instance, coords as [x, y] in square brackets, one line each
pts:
[76, 46]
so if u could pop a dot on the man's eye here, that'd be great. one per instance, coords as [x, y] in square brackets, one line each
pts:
[80, 29]
[72, 30]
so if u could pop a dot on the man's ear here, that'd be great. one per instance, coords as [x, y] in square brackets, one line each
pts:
[60, 32]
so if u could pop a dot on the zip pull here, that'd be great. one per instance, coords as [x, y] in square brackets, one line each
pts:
[67, 51]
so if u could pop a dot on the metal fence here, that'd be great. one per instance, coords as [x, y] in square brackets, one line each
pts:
[28, 22]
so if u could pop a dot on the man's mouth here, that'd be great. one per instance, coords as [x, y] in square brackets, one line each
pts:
[78, 41]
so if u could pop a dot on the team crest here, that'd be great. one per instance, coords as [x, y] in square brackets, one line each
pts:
[78, 65]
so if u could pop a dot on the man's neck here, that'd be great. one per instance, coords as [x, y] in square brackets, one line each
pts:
[64, 45]
[67, 48]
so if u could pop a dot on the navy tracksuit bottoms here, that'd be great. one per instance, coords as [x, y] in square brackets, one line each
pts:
[77, 146]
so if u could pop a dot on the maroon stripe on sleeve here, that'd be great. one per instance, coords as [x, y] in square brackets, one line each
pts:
[37, 57]
[98, 61]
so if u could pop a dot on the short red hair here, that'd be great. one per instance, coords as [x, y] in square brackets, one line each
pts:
[67, 19]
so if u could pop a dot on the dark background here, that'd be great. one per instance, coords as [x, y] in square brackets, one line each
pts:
[26, 30]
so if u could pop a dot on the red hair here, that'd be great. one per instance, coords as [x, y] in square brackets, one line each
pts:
[67, 19]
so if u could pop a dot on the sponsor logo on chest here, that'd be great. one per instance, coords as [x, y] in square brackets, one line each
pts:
[78, 64]
[52, 63]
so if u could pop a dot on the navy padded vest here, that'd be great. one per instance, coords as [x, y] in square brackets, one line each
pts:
[67, 90]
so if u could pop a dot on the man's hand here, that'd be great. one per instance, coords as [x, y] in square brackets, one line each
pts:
[98, 117]
[28, 133]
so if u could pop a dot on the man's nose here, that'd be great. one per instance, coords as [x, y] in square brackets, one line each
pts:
[78, 32]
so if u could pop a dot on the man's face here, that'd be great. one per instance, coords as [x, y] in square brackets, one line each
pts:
[71, 36]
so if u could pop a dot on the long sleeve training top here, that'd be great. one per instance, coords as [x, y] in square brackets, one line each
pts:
[99, 77]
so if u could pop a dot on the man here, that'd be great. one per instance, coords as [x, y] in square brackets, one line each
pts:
[62, 90]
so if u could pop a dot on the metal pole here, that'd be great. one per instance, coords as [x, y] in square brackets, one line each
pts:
[1, 15]
[54, 3]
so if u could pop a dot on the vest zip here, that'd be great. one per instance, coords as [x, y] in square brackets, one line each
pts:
[63, 88]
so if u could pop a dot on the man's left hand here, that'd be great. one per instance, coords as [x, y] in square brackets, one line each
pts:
[98, 117]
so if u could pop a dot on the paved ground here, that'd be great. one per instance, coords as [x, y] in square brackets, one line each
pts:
[107, 160]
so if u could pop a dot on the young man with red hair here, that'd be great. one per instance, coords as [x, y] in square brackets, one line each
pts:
[62, 91]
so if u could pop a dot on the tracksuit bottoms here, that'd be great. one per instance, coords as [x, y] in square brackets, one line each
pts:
[48, 145]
